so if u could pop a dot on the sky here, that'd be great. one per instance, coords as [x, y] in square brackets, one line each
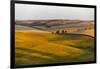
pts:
[43, 12]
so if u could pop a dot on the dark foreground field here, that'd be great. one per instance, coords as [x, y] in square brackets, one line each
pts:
[36, 49]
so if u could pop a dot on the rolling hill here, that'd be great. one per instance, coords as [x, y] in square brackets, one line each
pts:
[36, 49]
[71, 26]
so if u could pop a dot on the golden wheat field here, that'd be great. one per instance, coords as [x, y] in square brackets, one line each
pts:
[47, 48]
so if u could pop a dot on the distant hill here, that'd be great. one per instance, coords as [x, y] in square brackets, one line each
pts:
[20, 27]
[71, 26]
[46, 21]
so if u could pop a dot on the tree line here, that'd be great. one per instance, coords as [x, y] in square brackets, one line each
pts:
[60, 32]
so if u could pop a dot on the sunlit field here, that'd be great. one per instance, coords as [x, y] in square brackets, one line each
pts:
[46, 48]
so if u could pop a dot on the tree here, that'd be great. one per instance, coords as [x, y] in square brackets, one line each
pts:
[63, 31]
[52, 32]
[57, 32]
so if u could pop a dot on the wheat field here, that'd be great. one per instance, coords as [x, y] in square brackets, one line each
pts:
[47, 48]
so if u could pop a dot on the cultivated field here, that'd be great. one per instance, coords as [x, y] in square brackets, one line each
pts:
[40, 42]
[46, 48]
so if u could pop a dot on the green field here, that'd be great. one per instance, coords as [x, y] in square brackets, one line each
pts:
[36, 49]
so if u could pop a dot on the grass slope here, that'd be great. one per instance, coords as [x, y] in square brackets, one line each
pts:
[36, 49]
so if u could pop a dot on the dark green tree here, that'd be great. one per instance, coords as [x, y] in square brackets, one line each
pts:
[57, 32]
[63, 31]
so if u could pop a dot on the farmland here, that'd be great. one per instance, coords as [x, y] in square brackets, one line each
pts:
[71, 26]
[39, 42]
[46, 48]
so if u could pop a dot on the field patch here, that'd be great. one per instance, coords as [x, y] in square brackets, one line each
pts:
[46, 48]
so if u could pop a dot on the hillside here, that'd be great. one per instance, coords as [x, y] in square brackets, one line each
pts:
[89, 32]
[20, 27]
[53, 25]
[35, 48]
[46, 21]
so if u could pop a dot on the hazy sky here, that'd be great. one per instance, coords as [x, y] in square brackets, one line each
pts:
[36, 12]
